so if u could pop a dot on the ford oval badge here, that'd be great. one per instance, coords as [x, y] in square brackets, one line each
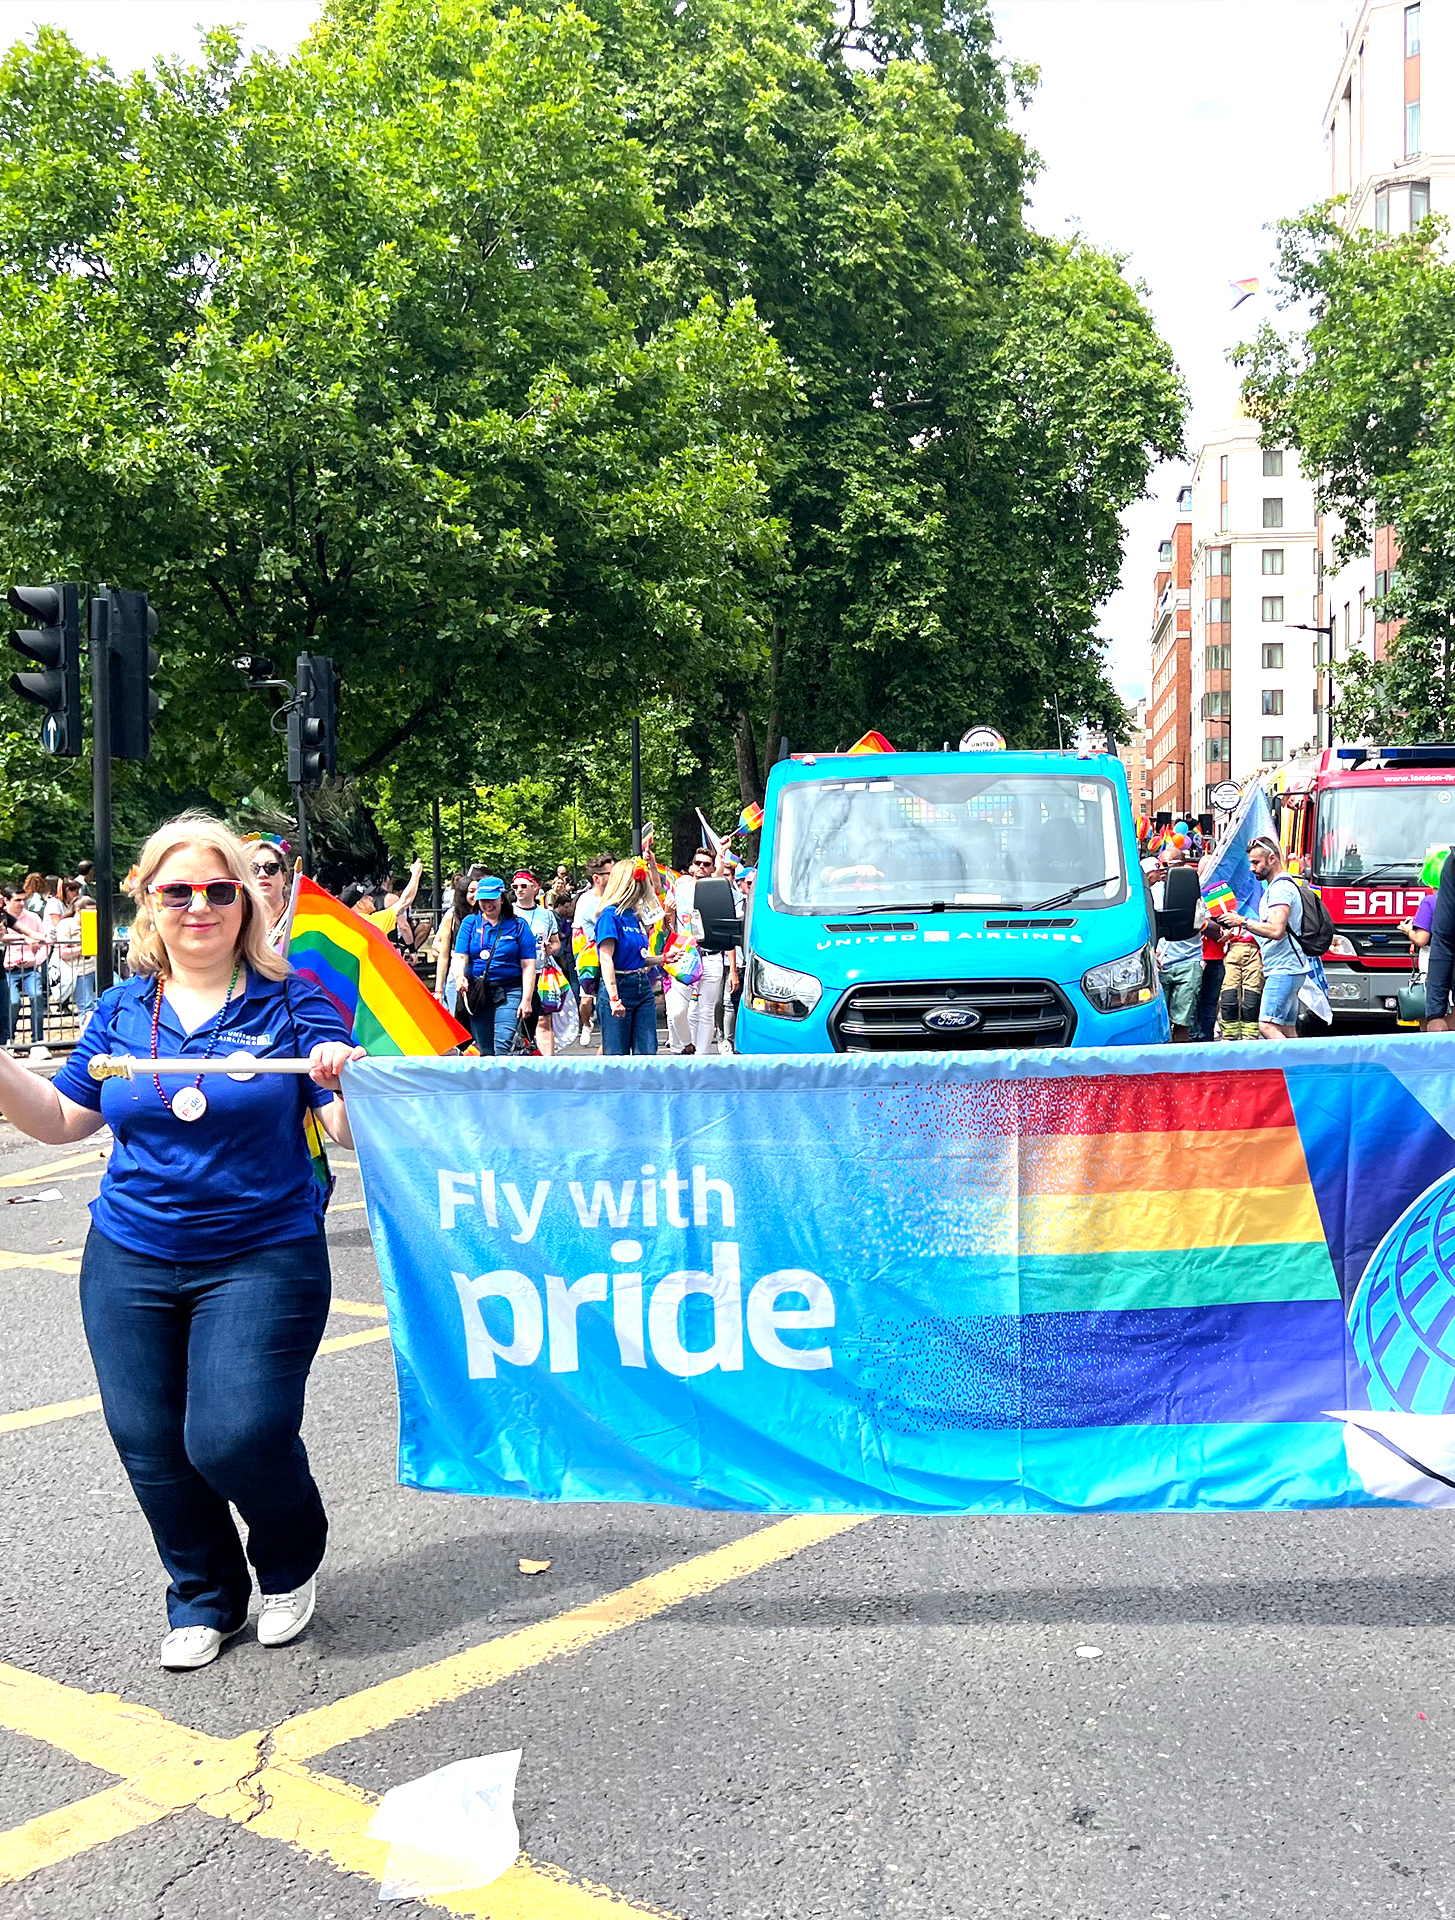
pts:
[952, 1019]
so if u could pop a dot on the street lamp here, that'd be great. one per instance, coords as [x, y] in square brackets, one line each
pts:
[1306, 626]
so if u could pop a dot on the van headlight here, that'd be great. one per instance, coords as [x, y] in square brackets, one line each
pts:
[1128, 982]
[780, 991]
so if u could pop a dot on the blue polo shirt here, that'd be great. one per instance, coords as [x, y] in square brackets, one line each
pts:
[500, 950]
[622, 925]
[239, 1177]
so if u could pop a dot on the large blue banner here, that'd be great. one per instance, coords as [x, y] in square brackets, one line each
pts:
[1171, 1278]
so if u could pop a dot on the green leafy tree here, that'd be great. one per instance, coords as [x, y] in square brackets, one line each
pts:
[1364, 388]
[353, 353]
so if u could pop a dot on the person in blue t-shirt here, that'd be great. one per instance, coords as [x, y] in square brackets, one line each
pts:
[205, 1279]
[629, 1015]
[495, 954]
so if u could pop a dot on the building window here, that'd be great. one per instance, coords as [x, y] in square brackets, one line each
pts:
[1219, 612]
[1381, 210]
[1273, 559]
[1219, 657]
[1411, 129]
[1215, 704]
[1419, 202]
[1273, 699]
[1273, 463]
[1219, 560]
[1272, 747]
[1184, 500]
[1272, 512]
[1273, 653]
[1218, 747]
[1272, 608]
[1363, 612]
[1411, 32]
[1164, 554]
[1223, 469]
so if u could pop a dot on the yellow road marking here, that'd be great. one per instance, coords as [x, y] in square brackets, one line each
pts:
[360, 1307]
[346, 1206]
[68, 1262]
[308, 1734]
[343, 1341]
[30, 1175]
[42, 1416]
[69, 1409]
[258, 1781]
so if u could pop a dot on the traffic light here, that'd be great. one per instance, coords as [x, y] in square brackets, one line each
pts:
[313, 723]
[55, 645]
[134, 707]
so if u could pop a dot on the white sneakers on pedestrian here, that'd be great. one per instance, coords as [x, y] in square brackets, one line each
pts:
[283, 1618]
[285, 1615]
[188, 1647]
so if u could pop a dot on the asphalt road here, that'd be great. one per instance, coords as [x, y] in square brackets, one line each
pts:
[894, 1720]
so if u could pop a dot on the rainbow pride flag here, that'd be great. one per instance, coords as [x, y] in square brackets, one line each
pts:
[750, 820]
[389, 1009]
[1220, 900]
[871, 742]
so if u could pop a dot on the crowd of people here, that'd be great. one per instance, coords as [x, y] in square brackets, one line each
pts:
[46, 970]
[537, 970]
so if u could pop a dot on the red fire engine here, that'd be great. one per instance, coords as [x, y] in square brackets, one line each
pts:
[1357, 822]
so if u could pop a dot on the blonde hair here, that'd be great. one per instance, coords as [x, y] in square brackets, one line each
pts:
[147, 952]
[628, 885]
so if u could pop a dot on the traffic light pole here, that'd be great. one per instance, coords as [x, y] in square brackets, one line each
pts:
[304, 852]
[100, 641]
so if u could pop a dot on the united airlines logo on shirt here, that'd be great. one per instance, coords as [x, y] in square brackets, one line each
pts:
[250, 1039]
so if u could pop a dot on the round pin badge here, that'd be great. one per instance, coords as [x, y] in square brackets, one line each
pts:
[240, 1067]
[189, 1104]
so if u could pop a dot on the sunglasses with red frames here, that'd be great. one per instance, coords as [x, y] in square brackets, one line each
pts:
[177, 895]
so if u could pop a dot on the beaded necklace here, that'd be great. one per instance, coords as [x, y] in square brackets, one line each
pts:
[190, 1102]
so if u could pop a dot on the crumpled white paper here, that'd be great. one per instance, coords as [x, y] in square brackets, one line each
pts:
[450, 1829]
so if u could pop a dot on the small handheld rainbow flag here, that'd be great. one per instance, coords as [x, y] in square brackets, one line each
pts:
[1221, 900]
[750, 819]
[390, 1009]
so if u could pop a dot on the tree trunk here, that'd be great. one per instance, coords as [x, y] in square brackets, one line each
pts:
[775, 692]
[750, 778]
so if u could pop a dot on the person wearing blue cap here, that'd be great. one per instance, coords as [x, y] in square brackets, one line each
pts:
[495, 955]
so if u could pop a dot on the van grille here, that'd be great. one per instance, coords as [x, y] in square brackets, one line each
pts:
[889, 1017]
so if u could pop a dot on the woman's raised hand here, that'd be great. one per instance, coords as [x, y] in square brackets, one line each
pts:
[329, 1059]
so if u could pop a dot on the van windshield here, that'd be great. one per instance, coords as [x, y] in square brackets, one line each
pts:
[951, 839]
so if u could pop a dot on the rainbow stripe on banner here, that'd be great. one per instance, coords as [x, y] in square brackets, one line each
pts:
[389, 1009]
[1220, 900]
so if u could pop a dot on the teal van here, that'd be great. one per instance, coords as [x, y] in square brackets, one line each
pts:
[926, 902]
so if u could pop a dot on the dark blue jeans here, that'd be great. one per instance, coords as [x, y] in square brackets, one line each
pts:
[24, 983]
[1207, 1003]
[202, 1370]
[634, 1029]
[493, 1032]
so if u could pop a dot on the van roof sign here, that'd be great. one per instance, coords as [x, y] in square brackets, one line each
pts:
[982, 740]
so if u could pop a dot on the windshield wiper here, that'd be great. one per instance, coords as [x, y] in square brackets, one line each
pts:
[1386, 872]
[1065, 899]
[921, 906]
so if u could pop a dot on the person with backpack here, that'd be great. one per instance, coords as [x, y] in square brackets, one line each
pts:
[1292, 928]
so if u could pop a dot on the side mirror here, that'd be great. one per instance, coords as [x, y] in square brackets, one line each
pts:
[1181, 892]
[716, 904]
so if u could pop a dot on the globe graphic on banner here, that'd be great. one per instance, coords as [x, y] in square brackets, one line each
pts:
[1402, 1319]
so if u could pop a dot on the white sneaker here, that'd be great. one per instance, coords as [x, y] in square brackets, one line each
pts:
[285, 1615]
[187, 1647]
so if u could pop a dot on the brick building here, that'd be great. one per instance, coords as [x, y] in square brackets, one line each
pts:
[1169, 704]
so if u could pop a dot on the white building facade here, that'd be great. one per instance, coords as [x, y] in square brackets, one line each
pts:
[1254, 672]
[1389, 138]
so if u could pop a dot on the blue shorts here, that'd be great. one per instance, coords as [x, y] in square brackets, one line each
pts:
[1279, 1005]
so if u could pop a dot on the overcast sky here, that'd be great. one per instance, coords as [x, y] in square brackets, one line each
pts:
[1172, 131]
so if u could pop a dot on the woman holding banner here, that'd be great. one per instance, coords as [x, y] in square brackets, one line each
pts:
[205, 1279]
